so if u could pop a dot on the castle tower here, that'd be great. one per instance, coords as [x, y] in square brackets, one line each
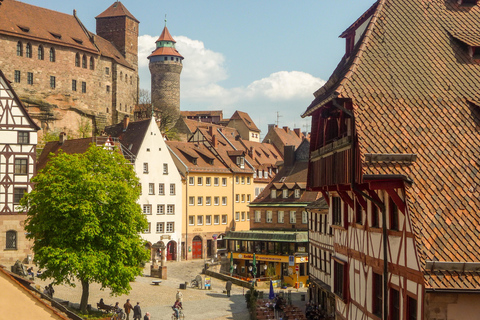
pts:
[165, 68]
[119, 26]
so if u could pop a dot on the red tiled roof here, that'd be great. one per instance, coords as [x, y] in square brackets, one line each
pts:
[166, 36]
[243, 116]
[165, 51]
[133, 136]
[206, 161]
[117, 9]
[410, 83]
[108, 49]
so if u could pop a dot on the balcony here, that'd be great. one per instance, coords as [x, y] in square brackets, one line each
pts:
[331, 147]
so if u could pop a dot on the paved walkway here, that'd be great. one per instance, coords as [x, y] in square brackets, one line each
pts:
[157, 299]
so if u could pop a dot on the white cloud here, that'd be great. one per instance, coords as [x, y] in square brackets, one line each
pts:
[288, 92]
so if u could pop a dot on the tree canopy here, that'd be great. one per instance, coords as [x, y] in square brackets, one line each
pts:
[85, 222]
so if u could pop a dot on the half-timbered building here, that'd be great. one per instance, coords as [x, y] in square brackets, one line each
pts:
[18, 140]
[394, 150]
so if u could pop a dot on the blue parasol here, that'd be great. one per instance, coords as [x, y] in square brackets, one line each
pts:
[271, 295]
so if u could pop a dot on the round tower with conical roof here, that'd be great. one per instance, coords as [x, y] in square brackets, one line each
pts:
[165, 68]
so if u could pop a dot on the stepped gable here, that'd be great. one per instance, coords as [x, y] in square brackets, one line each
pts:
[414, 89]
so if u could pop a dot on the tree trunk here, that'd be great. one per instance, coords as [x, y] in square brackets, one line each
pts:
[84, 300]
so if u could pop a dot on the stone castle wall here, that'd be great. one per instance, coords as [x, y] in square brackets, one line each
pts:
[165, 84]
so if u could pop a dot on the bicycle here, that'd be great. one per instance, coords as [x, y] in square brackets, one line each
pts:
[118, 315]
[181, 316]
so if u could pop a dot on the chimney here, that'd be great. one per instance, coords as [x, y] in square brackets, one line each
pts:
[210, 130]
[126, 121]
[214, 141]
[297, 132]
[62, 137]
[288, 155]
[271, 126]
[252, 153]
[286, 129]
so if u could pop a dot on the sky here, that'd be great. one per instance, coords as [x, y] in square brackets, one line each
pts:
[266, 58]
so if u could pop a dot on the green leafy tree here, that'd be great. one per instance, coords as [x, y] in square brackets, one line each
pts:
[85, 222]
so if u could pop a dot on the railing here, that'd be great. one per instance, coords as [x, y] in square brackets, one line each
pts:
[332, 146]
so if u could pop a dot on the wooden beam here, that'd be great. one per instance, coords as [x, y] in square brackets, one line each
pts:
[361, 199]
[346, 198]
[326, 197]
[375, 196]
[385, 184]
[396, 198]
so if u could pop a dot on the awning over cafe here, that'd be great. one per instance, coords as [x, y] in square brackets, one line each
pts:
[273, 236]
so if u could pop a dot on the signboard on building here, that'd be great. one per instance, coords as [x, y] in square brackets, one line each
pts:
[291, 261]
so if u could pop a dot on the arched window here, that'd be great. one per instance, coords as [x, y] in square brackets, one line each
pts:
[11, 239]
[28, 50]
[40, 52]
[52, 55]
[84, 61]
[77, 60]
[19, 49]
[92, 63]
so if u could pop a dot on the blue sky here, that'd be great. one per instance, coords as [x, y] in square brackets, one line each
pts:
[261, 57]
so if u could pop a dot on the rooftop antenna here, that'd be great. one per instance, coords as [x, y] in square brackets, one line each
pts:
[306, 126]
[278, 117]
[165, 20]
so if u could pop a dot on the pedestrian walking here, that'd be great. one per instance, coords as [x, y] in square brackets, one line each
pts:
[147, 316]
[228, 287]
[137, 312]
[179, 296]
[128, 307]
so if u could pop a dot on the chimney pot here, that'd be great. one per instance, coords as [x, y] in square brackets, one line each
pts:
[286, 129]
[297, 132]
[214, 141]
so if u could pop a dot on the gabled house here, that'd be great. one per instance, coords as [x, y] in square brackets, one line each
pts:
[18, 140]
[394, 150]
[282, 137]
[244, 125]
[162, 195]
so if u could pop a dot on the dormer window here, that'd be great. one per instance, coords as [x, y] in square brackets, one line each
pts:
[273, 194]
[297, 193]
[285, 193]
[241, 162]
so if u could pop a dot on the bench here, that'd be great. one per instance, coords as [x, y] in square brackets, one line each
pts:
[157, 282]
[105, 307]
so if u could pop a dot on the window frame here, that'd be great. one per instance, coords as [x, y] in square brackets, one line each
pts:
[23, 137]
[18, 194]
[147, 209]
[170, 209]
[161, 229]
[21, 166]
[173, 189]
[160, 209]
[11, 237]
[377, 294]
[170, 227]
[161, 189]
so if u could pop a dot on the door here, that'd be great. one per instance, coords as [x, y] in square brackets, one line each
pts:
[197, 248]
[171, 251]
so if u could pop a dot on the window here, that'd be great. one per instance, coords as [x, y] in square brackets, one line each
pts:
[269, 216]
[28, 50]
[237, 198]
[243, 198]
[52, 55]
[248, 180]
[237, 216]
[249, 197]
[18, 194]
[21, 166]
[40, 53]
[191, 220]
[216, 219]
[377, 294]
[208, 181]
[243, 215]
[241, 162]
[304, 217]
[84, 87]
[170, 226]
[19, 49]
[215, 181]
[375, 217]
[74, 85]
[92, 63]
[191, 181]
[160, 209]
[358, 212]
[224, 201]
[77, 60]
[11, 240]
[293, 217]
[243, 180]
[258, 216]
[260, 173]
[257, 191]
[394, 304]
[224, 219]
[199, 220]
[149, 228]
[200, 201]
[411, 308]
[107, 70]
[23, 137]
[199, 181]
[297, 193]
[145, 167]
[237, 180]
[208, 220]
[84, 61]
[147, 209]
[165, 168]
[216, 201]
[393, 215]
[273, 194]
[160, 226]
[336, 211]
[285, 193]
[108, 88]
[224, 182]
[17, 76]
[161, 189]
[121, 75]
[339, 279]
[281, 215]
[172, 189]
[171, 209]
[191, 201]
[151, 188]
[52, 82]
[208, 201]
